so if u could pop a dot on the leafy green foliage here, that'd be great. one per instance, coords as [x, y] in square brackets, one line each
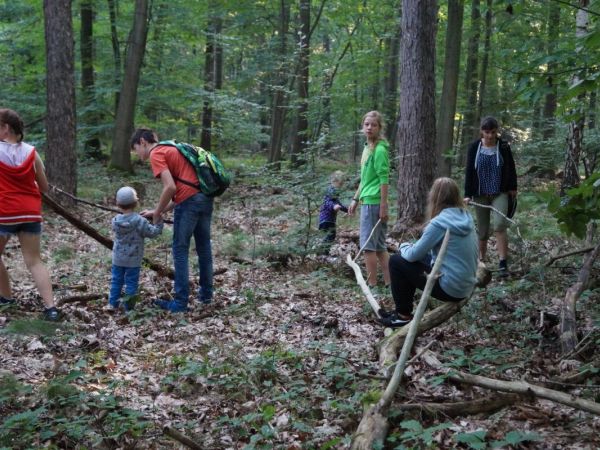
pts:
[579, 207]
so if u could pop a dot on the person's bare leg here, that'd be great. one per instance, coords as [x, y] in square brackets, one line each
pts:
[5, 290]
[30, 247]
[371, 263]
[482, 249]
[384, 259]
[502, 244]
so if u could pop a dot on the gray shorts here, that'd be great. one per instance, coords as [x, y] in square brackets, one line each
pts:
[486, 215]
[369, 215]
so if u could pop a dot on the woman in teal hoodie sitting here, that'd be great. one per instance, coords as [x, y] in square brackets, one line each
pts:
[409, 267]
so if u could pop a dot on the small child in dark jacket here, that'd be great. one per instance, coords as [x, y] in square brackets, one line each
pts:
[329, 209]
[129, 229]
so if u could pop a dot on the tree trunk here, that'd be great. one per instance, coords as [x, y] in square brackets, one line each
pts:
[391, 80]
[114, 39]
[300, 146]
[416, 131]
[120, 154]
[61, 155]
[484, 64]
[88, 94]
[279, 95]
[445, 130]
[469, 131]
[209, 85]
[550, 99]
[575, 136]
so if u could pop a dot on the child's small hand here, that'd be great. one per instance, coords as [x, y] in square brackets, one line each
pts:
[337, 207]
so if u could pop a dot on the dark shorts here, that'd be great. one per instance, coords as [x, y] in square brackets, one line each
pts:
[7, 230]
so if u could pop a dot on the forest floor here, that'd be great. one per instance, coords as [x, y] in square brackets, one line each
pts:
[286, 356]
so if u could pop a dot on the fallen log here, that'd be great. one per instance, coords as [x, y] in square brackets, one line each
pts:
[568, 319]
[388, 348]
[79, 298]
[488, 405]
[181, 438]
[516, 387]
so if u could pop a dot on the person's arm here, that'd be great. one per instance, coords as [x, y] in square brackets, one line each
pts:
[149, 230]
[432, 236]
[40, 174]
[164, 202]
[354, 202]
[383, 206]
[470, 174]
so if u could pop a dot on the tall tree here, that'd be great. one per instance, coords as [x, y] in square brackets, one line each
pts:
[416, 128]
[114, 39]
[301, 137]
[88, 94]
[213, 75]
[278, 107]
[445, 130]
[61, 155]
[120, 154]
[575, 133]
[487, 48]
[470, 128]
[550, 99]
[390, 80]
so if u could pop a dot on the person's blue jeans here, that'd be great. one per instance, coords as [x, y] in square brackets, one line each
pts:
[192, 218]
[130, 276]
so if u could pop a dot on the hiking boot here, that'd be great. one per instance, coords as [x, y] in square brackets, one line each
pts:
[6, 301]
[171, 305]
[503, 269]
[51, 314]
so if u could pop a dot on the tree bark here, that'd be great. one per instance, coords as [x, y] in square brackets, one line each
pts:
[114, 40]
[300, 145]
[445, 130]
[88, 94]
[469, 128]
[61, 155]
[416, 133]
[575, 134]
[279, 95]
[550, 99]
[212, 77]
[391, 81]
[121, 154]
[487, 48]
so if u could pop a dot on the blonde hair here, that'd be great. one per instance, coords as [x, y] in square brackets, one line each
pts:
[337, 177]
[444, 193]
[381, 137]
[379, 118]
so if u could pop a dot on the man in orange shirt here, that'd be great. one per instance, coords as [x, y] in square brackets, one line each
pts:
[192, 216]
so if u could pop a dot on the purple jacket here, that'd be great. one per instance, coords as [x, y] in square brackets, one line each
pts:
[327, 214]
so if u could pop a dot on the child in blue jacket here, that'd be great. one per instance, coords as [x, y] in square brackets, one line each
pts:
[129, 229]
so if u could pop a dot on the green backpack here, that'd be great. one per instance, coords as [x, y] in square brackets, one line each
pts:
[213, 178]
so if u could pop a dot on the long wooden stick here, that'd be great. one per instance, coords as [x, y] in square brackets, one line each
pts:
[368, 239]
[363, 285]
[390, 391]
[518, 387]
